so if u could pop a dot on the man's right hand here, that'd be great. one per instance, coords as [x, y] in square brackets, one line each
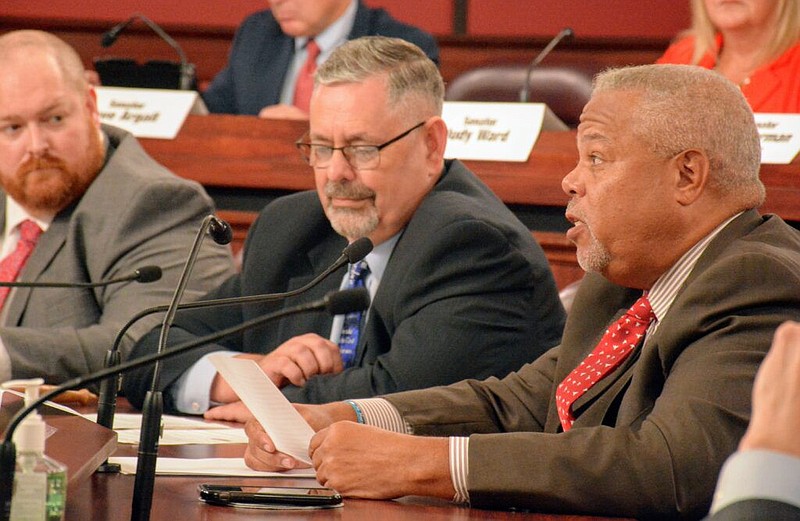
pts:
[261, 453]
[293, 362]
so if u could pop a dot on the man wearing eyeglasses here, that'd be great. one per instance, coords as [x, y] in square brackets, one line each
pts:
[459, 288]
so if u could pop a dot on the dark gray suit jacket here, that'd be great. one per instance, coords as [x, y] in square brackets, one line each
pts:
[261, 55]
[135, 213]
[649, 439]
[466, 293]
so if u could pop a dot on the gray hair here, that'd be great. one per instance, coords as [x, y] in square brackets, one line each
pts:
[410, 74]
[67, 59]
[688, 107]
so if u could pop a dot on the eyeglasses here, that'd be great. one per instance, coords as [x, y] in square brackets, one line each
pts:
[360, 157]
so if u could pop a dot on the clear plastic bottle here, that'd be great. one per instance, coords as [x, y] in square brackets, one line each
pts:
[40, 482]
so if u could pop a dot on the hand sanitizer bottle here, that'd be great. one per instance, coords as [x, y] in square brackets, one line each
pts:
[40, 482]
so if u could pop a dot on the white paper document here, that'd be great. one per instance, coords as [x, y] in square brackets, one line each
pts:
[207, 467]
[123, 421]
[186, 436]
[288, 430]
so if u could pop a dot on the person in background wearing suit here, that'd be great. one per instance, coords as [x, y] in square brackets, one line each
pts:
[81, 202]
[635, 412]
[753, 43]
[762, 479]
[459, 287]
[264, 74]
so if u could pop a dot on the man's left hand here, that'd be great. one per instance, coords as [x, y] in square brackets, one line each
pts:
[365, 461]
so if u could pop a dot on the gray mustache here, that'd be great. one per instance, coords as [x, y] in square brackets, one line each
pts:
[348, 191]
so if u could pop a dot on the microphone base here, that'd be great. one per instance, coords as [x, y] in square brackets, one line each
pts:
[109, 468]
[144, 482]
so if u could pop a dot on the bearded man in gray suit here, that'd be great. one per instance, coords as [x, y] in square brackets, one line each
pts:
[663, 200]
[103, 209]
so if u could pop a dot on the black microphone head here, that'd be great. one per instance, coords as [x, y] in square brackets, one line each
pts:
[347, 301]
[110, 36]
[220, 231]
[357, 249]
[148, 274]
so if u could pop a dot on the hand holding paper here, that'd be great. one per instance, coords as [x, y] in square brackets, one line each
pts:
[287, 428]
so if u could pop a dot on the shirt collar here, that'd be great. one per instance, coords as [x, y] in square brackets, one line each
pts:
[15, 214]
[378, 258]
[665, 289]
[332, 36]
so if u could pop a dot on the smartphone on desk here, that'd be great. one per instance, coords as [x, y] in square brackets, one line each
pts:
[251, 495]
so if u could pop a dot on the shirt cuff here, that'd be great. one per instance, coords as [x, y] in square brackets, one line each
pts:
[380, 413]
[758, 474]
[190, 393]
[459, 467]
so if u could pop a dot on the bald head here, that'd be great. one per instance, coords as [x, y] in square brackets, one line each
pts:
[26, 46]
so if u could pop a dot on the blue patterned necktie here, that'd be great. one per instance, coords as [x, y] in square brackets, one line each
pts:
[351, 328]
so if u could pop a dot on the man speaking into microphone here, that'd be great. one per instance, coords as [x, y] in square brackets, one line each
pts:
[81, 203]
[459, 287]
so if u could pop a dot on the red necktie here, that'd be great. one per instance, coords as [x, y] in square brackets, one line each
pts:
[305, 79]
[10, 267]
[616, 345]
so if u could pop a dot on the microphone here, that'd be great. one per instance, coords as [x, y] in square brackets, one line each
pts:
[144, 275]
[106, 401]
[110, 37]
[154, 403]
[187, 72]
[335, 302]
[565, 33]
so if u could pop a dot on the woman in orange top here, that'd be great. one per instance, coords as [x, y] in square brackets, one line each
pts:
[754, 43]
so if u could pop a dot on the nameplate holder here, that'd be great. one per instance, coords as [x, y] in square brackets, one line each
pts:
[148, 113]
[780, 137]
[489, 131]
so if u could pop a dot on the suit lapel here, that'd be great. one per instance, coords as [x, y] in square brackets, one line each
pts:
[46, 249]
[615, 380]
[593, 407]
[318, 258]
[273, 63]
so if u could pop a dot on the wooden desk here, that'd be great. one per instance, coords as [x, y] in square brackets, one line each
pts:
[81, 459]
[108, 497]
[244, 162]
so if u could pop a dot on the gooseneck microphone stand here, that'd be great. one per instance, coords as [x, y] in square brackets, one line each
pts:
[154, 401]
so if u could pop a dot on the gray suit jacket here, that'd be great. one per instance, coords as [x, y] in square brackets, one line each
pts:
[649, 440]
[135, 213]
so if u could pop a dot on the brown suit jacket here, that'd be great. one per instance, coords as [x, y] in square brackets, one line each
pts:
[649, 440]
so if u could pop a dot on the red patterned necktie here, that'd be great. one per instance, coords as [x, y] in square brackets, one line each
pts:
[617, 343]
[305, 79]
[10, 267]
